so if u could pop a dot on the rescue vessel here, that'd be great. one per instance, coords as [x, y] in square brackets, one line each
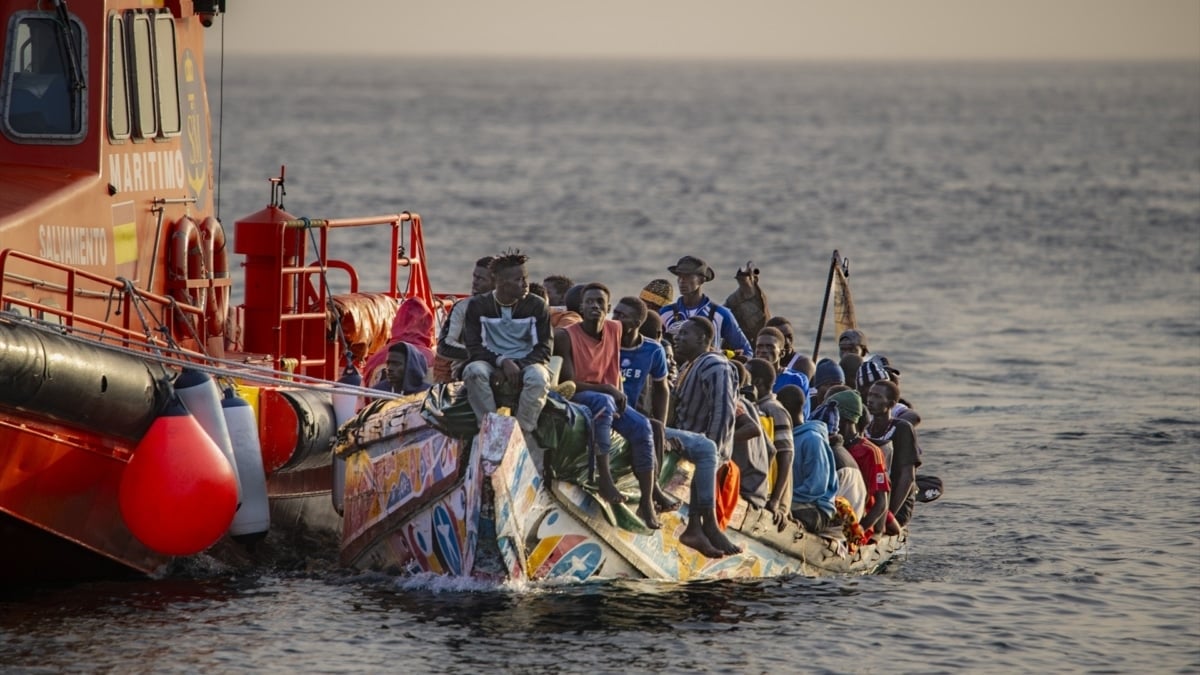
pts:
[116, 306]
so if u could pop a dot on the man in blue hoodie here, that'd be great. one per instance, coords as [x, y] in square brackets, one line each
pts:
[406, 370]
[814, 470]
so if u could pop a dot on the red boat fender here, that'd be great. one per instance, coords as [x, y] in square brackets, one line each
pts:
[345, 406]
[253, 517]
[178, 493]
[217, 301]
[199, 393]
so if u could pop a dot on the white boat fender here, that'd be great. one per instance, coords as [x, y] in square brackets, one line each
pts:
[199, 393]
[345, 406]
[253, 519]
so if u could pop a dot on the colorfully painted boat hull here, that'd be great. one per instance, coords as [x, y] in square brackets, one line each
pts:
[420, 501]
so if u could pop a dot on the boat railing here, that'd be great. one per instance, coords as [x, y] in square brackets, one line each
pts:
[302, 341]
[132, 317]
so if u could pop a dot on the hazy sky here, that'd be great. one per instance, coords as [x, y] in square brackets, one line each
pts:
[724, 29]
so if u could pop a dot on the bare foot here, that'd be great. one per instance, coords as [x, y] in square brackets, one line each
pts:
[608, 489]
[610, 493]
[718, 539]
[664, 502]
[693, 537]
[646, 512]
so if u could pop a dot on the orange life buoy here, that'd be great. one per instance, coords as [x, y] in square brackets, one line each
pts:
[218, 265]
[186, 257]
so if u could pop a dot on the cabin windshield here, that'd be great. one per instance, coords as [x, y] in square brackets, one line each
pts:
[41, 93]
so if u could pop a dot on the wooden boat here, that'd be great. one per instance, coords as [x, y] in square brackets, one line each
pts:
[419, 499]
[114, 280]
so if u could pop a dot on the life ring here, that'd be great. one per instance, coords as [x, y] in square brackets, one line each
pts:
[186, 257]
[218, 265]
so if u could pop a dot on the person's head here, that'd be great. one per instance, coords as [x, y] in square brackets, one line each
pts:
[573, 298]
[509, 277]
[657, 294]
[539, 290]
[792, 398]
[828, 373]
[397, 364]
[882, 397]
[691, 273]
[769, 345]
[849, 404]
[870, 372]
[743, 378]
[652, 326]
[850, 363]
[594, 302]
[631, 312]
[481, 276]
[853, 341]
[784, 326]
[695, 335]
[762, 375]
[556, 289]
[803, 363]
[827, 413]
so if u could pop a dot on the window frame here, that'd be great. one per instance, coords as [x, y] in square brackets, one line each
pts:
[8, 78]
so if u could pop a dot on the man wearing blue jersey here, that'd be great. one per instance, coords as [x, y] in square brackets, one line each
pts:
[691, 273]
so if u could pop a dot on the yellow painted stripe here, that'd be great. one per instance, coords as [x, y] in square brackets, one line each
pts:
[125, 243]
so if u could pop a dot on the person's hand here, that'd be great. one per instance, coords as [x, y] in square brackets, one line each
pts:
[512, 372]
[619, 399]
[778, 514]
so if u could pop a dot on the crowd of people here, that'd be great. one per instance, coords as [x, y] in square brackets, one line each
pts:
[829, 445]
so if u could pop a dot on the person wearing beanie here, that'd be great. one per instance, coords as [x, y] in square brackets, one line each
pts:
[870, 372]
[691, 273]
[814, 469]
[657, 294]
[871, 463]
[828, 373]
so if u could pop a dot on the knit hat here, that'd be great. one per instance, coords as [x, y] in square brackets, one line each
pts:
[872, 370]
[849, 404]
[657, 293]
[853, 337]
[828, 372]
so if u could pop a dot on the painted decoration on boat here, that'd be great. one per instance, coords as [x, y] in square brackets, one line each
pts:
[380, 486]
[442, 539]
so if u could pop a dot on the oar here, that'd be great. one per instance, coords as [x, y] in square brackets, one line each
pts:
[825, 303]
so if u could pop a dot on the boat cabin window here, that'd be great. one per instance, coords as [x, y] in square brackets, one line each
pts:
[118, 83]
[42, 92]
[147, 76]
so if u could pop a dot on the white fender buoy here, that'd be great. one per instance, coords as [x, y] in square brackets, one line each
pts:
[345, 406]
[199, 393]
[253, 519]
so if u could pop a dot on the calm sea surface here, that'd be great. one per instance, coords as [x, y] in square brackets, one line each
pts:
[1024, 244]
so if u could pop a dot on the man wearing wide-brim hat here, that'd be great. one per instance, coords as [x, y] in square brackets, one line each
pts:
[691, 274]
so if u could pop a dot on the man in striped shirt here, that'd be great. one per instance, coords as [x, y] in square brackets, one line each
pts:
[704, 412]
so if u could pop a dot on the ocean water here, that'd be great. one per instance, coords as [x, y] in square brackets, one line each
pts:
[1024, 243]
